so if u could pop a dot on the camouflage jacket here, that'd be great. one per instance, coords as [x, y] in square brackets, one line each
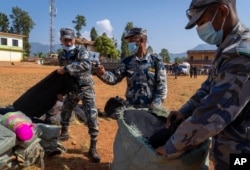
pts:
[220, 108]
[77, 63]
[146, 80]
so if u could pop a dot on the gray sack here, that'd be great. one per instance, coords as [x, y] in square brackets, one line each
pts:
[131, 152]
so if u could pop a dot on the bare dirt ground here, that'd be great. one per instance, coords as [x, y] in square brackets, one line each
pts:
[16, 79]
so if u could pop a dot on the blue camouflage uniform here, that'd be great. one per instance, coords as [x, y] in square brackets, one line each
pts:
[221, 107]
[77, 63]
[146, 80]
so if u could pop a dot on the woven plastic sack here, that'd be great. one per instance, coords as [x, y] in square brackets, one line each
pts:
[131, 152]
[7, 142]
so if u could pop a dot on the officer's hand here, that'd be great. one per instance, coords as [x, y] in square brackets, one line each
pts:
[60, 97]
[161, 150]
[100, 70]
[61, 70]
[176, 115]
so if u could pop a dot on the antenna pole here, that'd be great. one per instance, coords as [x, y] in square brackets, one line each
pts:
[52, 13]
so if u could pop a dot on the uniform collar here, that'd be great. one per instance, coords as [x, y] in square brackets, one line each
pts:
[234, 35]
[145, 58]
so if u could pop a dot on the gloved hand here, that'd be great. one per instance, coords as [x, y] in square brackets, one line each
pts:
[176, 116]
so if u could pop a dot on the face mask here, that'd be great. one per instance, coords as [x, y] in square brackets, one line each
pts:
[132, 47]
[208, 34]
[68, 48]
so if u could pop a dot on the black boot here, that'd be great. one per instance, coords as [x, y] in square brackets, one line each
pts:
[64, 134]
[94, 156]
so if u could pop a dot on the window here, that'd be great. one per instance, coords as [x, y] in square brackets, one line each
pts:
[3, 41]
[191, 58]
[206, 58]
[15, 43]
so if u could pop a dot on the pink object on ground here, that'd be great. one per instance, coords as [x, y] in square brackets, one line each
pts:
[24, 132]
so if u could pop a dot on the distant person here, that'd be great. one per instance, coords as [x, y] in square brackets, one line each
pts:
[145, 73]
[221, 107]
[76, 62]
[195, 71]
[176, 70]
[191, 71]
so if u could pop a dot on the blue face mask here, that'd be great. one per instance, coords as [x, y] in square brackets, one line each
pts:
[132, 47]
[68, 48]
[208, 34]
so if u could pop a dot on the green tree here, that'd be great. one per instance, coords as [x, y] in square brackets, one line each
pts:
[22, 24]
[106, 47]
[4, 22]
[124, 45]
[40, 54]
[104, 34]
[180, 59]
[59, 51]
[150, 50]
[165, 55]
[79, 22]
[93, 34]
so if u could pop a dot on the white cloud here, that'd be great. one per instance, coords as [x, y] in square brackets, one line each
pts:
[86, 34]
[104, 26]
[101, 27]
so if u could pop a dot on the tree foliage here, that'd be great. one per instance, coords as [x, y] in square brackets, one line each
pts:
[165, 55]
[104, 34]
[4, 22]
[93, 34]
[22, 24]
[180, 59]
[124, 45]
[79, 22]
[40, 54]
[106, 47]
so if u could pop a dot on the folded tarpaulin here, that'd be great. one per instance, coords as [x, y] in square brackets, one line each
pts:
[41, 97]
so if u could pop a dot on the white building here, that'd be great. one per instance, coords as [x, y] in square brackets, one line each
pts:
[11, 47]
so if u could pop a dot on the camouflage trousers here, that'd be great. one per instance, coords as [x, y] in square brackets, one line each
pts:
[87, 96]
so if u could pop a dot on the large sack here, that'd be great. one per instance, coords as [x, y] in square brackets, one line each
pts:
[132, 151]
[7, 142]
[40, 98]
[7, 139]
[49, 139]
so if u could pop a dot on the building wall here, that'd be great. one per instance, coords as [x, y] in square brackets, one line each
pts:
[13, 50]
[90, 47]
[200, 58]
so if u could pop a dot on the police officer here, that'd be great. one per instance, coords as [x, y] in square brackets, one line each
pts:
[220, 108]
[145, 73]
[76, 62]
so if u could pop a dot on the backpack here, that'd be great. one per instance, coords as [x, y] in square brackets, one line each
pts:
[18, 154]
[113, 105]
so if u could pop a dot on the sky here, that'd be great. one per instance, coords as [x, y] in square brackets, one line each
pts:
[164, 19]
